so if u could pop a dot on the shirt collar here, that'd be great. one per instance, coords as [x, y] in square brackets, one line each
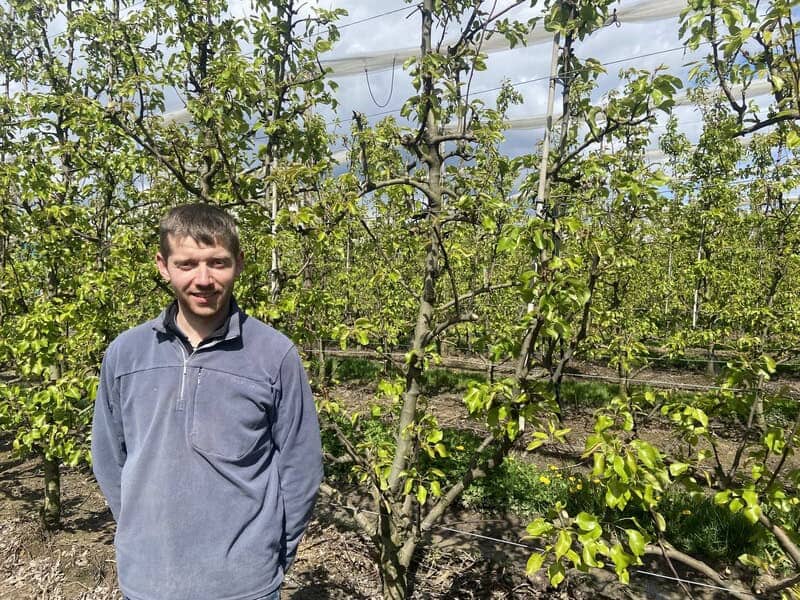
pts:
[229, 329]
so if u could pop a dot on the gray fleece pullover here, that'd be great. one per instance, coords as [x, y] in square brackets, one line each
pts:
[209, 459]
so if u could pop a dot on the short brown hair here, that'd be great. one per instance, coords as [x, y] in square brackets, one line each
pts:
[204, 223]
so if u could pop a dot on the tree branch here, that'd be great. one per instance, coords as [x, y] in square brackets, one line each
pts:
[363, 522]
[783, 539]
[723, 83]
[453, 137]
[782, 584]
[700, 567]
[487, 289]
[410, 181]
[594, 275]
[779, 118]
[150, 147]
[440, 328]
[609, 128]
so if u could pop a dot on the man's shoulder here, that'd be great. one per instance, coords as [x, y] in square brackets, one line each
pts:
[259, 335]
[135, 335]
[130, 344]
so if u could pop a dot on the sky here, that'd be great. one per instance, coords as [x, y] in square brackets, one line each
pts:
[643, 45]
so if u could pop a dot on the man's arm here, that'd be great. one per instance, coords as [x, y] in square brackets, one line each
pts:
[108, 439]
[296, 435]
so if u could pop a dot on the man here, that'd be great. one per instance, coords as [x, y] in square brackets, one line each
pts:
[205, 439]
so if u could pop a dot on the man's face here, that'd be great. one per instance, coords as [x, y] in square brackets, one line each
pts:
[202, 276]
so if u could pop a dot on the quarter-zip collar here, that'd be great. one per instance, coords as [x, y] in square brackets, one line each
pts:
[229, 329]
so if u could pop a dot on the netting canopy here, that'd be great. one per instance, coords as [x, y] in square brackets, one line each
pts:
[354, 64]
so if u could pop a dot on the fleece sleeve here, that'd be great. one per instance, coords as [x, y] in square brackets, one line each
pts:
[108, 438]
[299, 450]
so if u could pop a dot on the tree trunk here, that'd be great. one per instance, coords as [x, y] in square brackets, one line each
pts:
[51, 510]
[394, 576]
[395, 552]
[760, 417]
[711, 365]
[699, 282]
[322, 371]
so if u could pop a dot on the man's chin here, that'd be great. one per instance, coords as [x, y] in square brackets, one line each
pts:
[205, 310]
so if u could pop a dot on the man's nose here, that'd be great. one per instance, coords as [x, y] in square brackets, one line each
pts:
[203, 276]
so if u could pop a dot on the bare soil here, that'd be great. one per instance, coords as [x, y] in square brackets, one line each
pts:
[334, 560]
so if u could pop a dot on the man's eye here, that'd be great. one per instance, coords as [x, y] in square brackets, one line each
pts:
[219, 264]
[185, 266]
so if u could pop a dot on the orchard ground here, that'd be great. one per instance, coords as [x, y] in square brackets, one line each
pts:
[334, 561]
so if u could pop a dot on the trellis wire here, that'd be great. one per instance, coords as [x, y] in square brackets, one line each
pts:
[369, 354]
[354, 510]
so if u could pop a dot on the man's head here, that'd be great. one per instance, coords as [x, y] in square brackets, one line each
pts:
[199, 257]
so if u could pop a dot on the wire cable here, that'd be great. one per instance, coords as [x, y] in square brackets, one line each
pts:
[546, 77]
[365, 20]
[479, 536]
[678, 580]
[391, 88]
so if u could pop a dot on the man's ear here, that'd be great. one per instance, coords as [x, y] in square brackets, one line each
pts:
[161, 262]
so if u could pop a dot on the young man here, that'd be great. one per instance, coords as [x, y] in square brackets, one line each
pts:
[205, 439]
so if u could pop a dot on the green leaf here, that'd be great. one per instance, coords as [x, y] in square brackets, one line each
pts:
[752, 514]
[599, 464]
[586, 521]
[539, 527]
[556, 572]
[793, 138]
[563, 543]
[648, 455]
[535, 562]
[603, 422]
[750, 497]
[422, 494]
[620, 558]
[435, 436]
[676, 469]
[722, 497]
[736, 505]
[661, 523]
[774, 441]
[636, 541]
[619, 468]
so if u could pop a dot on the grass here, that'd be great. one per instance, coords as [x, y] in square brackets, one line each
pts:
[355, 369]
[701, 528]
[518, 487]
[438, 381]
[434, 381]
[698, 527]
[587, 395]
